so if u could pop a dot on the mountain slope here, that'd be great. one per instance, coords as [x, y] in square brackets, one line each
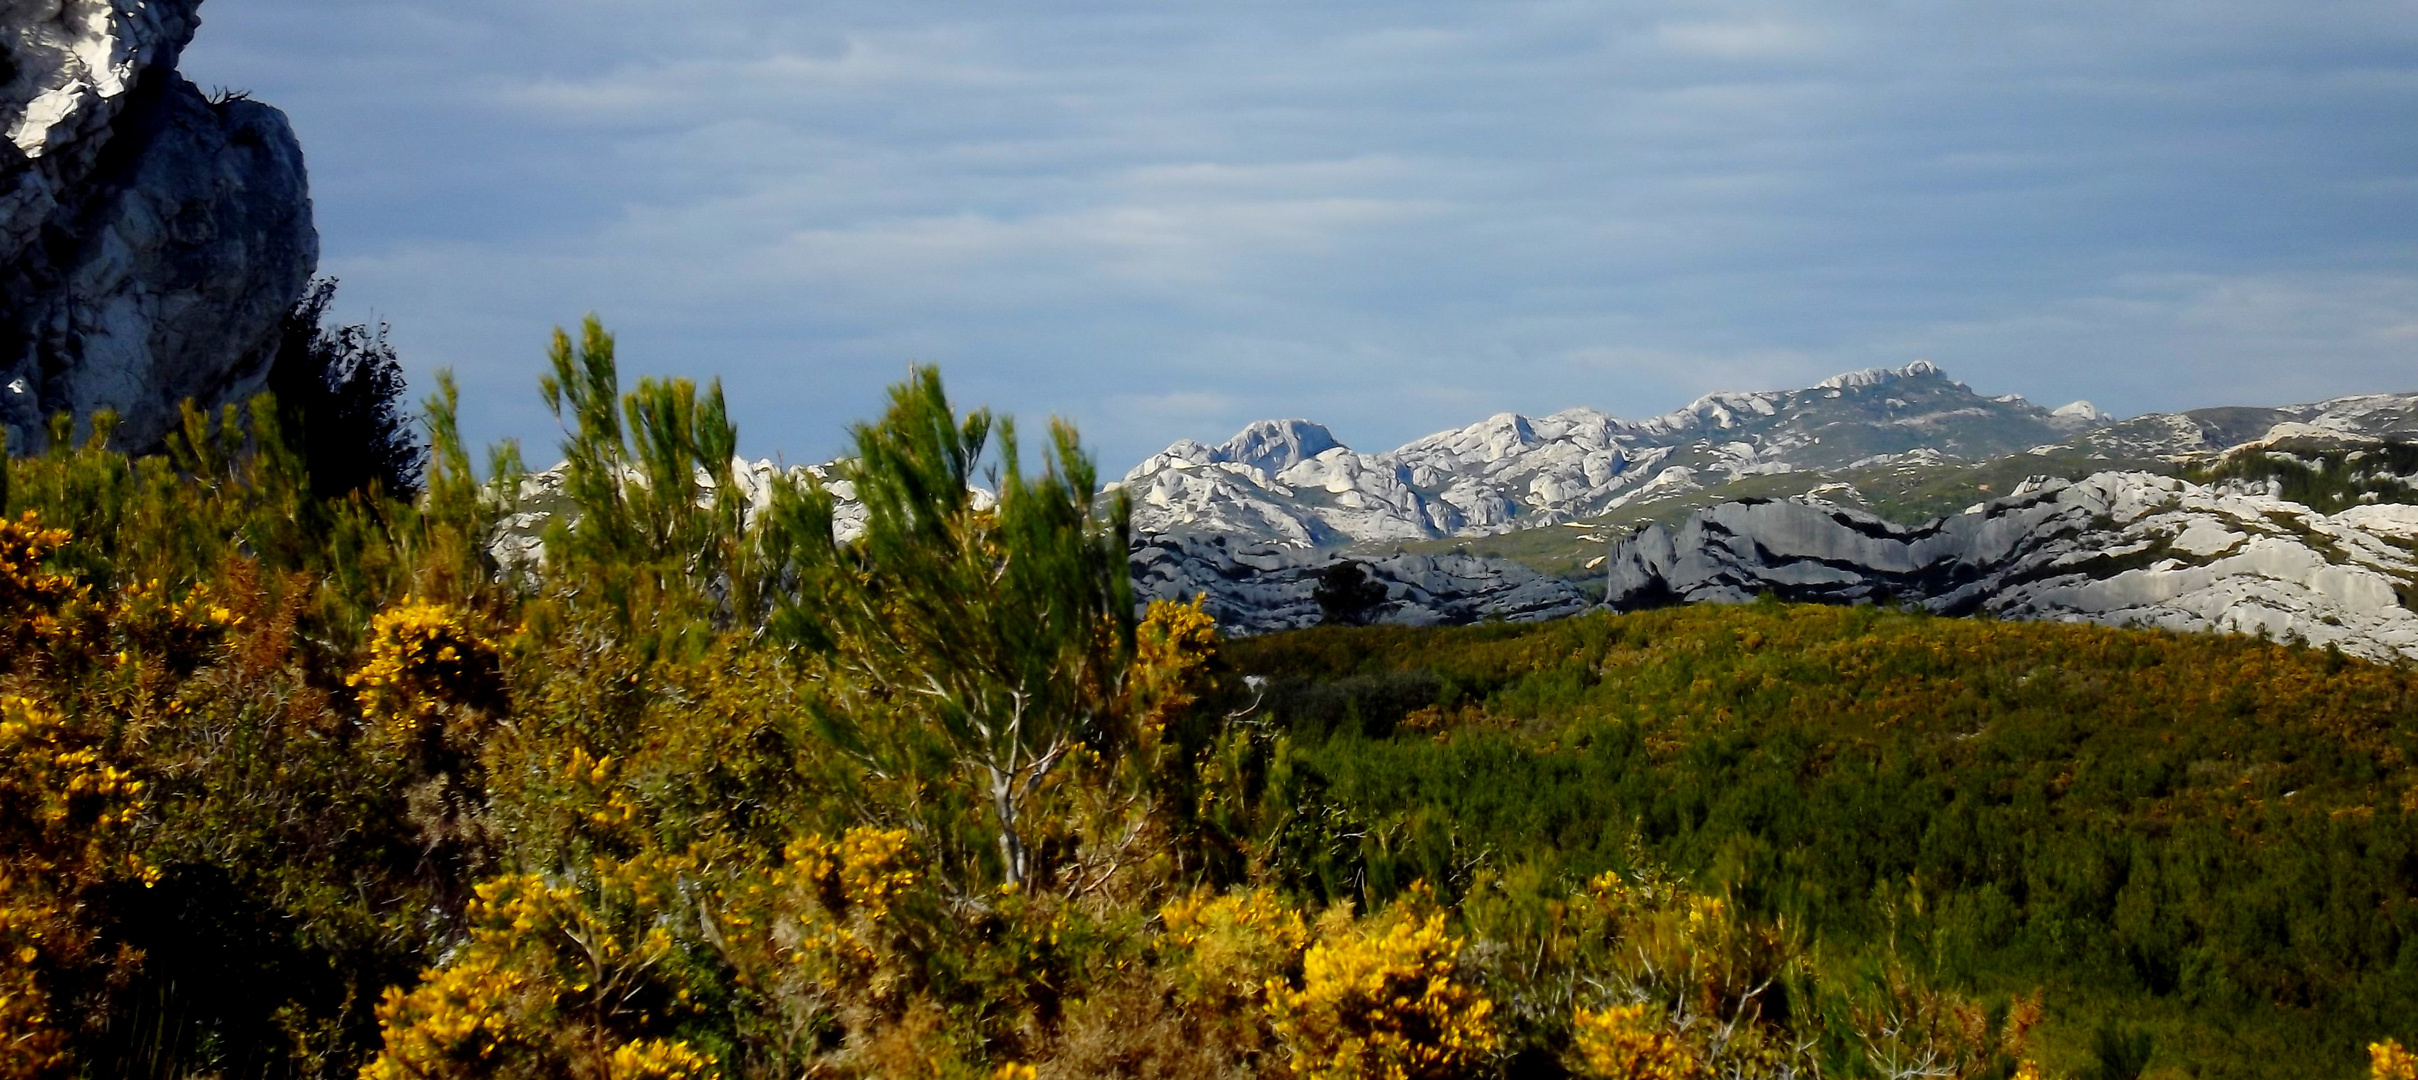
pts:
[1907, 442]
[1510, 471]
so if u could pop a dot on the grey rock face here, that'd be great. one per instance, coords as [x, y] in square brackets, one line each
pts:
[2127, 549]
[150, 239]
[1258, 587]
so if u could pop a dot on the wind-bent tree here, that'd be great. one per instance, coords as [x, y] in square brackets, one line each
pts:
[1003, 627]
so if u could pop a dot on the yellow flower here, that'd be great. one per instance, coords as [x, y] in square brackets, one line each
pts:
[1379, 999]
[865, 868]
[658, 1059]
[423, 658]
[2388, 1060]
[1626, 1043]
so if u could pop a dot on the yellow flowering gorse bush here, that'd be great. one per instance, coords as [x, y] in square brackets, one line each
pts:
[2389, 1060]
[423, 655]
[65, 811]
[30, 594]
[1173, 647]
[24, 546]
[1232, 945]
[546, 981]
[658, 1059]
[1380, 999]
[828, 900]
[864, 869]
[1630, 1042]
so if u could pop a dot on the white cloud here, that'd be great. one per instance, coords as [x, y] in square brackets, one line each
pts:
[1759, 39]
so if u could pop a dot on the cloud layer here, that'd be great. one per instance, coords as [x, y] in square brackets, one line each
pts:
[1164, 220]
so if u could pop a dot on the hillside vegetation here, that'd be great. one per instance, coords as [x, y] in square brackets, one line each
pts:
[300, 786]
[2206, 839]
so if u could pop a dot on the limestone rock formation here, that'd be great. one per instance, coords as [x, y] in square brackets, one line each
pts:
[1291, 481]
[1511, 472]
[150, 237]
[2117, 548]
[2205, 432]
[1257, 587]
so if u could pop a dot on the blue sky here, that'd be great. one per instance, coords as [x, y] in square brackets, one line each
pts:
[1166, 219]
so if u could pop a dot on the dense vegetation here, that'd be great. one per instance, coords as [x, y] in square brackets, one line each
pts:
[2207, 840]
[299, 779]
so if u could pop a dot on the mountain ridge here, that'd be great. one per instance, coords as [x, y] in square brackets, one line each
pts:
[1292, 482]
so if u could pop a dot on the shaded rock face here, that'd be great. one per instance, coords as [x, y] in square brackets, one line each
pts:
[1262, 587]
[150, 239]
[2126, 549]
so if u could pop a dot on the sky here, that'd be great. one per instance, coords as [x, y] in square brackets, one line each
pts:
[1165, 219]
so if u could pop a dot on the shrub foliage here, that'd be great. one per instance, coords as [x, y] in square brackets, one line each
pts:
[300, 782]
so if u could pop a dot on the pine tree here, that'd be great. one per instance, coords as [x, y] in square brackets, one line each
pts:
[1002, 627]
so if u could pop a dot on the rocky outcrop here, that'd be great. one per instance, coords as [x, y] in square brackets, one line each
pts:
[150, 238]
[1261, 587]
[2128, 549]
[2203, 433]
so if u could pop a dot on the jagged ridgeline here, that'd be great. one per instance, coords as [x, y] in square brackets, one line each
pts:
[722, 781]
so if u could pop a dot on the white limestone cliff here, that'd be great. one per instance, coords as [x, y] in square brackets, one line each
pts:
[2119, 548]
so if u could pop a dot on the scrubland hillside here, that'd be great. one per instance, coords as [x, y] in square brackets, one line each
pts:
[2205, 841]
[297, 787]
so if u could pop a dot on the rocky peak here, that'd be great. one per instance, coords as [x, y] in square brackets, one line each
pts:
[1879, 376]
[150, 237]
[2080, 414]
[1272, 446]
